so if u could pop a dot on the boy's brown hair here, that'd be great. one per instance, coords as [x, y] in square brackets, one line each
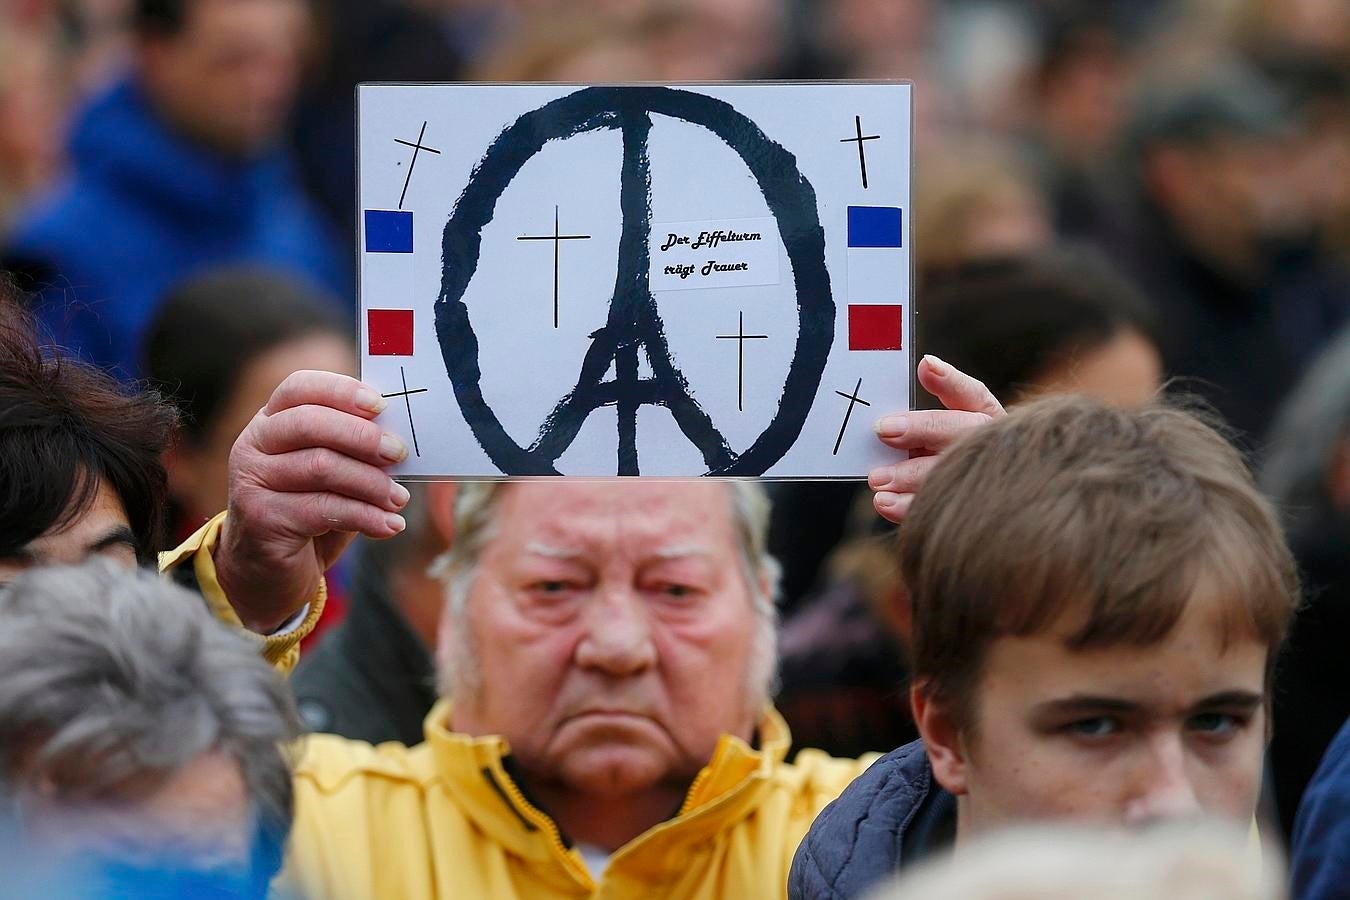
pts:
[1067, 505]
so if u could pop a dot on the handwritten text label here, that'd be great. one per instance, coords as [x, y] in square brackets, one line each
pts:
[718, 253]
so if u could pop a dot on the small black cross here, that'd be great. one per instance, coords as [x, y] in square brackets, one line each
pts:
[740, 337]
[852, 399]
[418, 147]
[557, 240]
[862, 155]
[405, 394]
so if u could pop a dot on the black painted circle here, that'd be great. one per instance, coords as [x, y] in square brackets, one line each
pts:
[790, 198]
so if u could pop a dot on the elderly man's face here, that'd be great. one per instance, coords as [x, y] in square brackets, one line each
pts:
[614, 631]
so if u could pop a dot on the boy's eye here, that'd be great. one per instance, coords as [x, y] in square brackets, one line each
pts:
[1216, 723]
[1099, 727]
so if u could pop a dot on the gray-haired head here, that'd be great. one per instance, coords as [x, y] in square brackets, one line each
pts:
[114, 680]
[475, 508]
[1312, 428]
[1190, 860]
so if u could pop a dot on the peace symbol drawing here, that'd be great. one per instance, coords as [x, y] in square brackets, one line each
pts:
[732, 257]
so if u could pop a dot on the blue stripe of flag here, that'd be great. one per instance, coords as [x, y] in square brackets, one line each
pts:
[389, 231]
[874, 226]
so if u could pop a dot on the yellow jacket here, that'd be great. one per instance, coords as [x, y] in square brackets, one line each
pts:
[445, 820]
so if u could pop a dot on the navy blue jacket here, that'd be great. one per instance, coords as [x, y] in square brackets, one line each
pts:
[1320, 856]
[143, 208]
[890, 816]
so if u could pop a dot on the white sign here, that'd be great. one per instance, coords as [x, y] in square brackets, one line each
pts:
[660, 280]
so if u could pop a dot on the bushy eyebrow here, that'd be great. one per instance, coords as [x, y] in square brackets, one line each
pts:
[677, 551]
[1089, 704]
[116, 536]
[539, 548]
[1232, 700]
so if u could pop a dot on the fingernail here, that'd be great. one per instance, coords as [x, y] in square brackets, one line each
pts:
[878, 478]
[940, 368]
[886, 501]
[891, 426]
[395, 523]
[370, 401]
[399, 495]
[392, 449]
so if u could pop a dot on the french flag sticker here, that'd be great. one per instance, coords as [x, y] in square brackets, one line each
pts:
[388, 231]
[874, 227]
[875, 326]
[389, 332]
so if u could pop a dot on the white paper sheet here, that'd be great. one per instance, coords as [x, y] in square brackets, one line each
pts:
[528, 312]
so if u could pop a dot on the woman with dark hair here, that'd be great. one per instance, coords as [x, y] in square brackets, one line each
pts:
[81, 456]
[219, 346]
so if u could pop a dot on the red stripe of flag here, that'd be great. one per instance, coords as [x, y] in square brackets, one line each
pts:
[390, 332]
[875, 326]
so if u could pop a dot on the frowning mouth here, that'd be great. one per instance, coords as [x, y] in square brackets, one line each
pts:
[616, 715]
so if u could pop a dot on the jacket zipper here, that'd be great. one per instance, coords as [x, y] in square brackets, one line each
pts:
[546, 824]
[699, 781]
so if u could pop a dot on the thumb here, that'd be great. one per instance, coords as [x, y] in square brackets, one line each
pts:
[955, 389]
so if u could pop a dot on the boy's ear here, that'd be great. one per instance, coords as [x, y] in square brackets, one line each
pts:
[942, 739]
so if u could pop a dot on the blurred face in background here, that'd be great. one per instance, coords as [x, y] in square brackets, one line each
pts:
[1009, 220]
[875, 37]
[975, 209]
[1082, 102]
[1322, 26]
[743, 39]
[1225, 194]
[1125, 371]
[32, 111]
[198, 473]
[229, 77]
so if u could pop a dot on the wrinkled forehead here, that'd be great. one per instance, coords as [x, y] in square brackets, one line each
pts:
[633, 515]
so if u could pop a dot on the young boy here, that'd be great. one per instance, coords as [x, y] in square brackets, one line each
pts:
[1098, 596]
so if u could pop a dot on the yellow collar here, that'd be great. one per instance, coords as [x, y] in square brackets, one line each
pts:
[471, 769]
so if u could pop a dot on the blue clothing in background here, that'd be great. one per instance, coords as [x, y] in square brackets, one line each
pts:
[144, 207]
[1320, 854]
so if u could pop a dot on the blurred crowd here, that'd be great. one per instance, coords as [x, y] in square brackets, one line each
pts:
[1114, 198]
[1201, 145]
